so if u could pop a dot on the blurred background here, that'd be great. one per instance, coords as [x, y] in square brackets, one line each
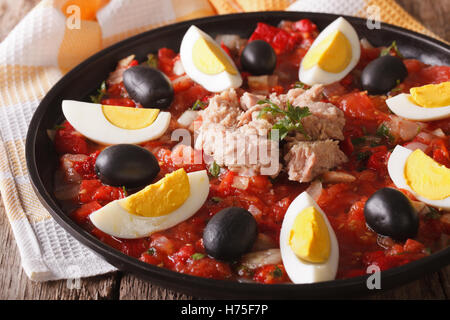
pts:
[433, 14]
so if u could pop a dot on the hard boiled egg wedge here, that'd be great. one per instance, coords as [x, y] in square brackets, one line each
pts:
[207, 63]
[115, 124]
[308, 244]
[416, 172]
[159, 206]
[426, 103]
[333, 54]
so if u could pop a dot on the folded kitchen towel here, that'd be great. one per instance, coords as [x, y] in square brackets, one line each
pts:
[42, 48]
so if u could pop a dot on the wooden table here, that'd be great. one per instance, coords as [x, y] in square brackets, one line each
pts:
[14, 283]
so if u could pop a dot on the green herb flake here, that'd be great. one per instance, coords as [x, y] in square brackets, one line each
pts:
[214, 169]
[433, 214]
[299, 85]
[216, 199]
[394, 47]
[125, 191]
[291, 121]
[100, 93]
[358, 141]
[199, 105]
[383, 131]
[197, 256]
[152, 60]
[151, 251]
[277, 273]
[58, 127]
[363, 155]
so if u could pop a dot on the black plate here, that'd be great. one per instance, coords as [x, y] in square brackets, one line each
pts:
[86, 77]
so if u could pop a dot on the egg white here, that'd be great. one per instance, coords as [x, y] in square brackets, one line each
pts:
[300, 271]
[90, 121]
[213, 83]
[402, 106]
[114, 220]
[316, 75]
[396, 169]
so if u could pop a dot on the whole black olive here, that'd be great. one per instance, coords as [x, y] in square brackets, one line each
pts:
[258, 58]
[126, 165]
[390, 213]
[148, 86]
[383, 74]
[230, 233]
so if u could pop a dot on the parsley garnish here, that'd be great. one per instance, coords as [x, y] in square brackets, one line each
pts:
[216, 199]
[383, 131]
[151, 251]
[125, 191]
[394, 47]
[100, 93]
[198, 105]
[197, 256]
[277, 273]
[152, 60]
[292, 117]
[214, 169]
[299, 85]
[358, 140]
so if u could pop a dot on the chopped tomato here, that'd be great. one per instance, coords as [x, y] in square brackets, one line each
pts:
[81, 214]
[272, 273]
[68, 140]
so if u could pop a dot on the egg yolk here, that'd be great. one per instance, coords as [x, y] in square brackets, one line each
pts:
[161, 198]
[209, 58]
[130, 118]
[332, 54]
[431, 95]
[309, 237]
[427, 177]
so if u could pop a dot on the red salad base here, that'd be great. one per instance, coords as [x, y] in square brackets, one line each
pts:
[268, 199]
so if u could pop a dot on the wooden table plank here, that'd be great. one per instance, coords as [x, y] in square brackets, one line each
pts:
[16, 285]
[133, 288]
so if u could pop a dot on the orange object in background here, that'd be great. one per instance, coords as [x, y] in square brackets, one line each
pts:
[88, 8]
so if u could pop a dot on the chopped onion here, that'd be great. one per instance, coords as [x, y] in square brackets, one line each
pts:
[258, 259]
[416, 145]
[425, 137]
[263, 242]
[439, 133]
[178, 68]
[67, 191]
[315, 189]
[254, 210]
[187, 118]
[232, 41]
[336, 177]
[51, 134]
[240, 183]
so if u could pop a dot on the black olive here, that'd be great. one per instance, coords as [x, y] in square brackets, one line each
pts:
[383, 74]
[148, 86]
[258, 58]
[390, 213]
[126, 165]
[230, 233]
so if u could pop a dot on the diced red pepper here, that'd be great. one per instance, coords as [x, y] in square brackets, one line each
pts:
[81, 214]
[68, 140]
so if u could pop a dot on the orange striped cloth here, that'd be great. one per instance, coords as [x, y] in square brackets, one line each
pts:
[44, 46]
